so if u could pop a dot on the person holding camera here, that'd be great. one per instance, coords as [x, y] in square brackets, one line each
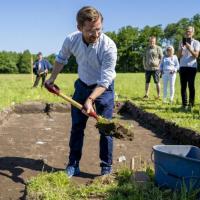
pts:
[188, 53]
[168, 68]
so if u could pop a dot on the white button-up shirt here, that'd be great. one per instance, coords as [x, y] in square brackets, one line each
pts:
[187, 60]
[96, 62]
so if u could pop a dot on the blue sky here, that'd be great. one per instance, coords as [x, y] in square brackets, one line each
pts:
[42, 25]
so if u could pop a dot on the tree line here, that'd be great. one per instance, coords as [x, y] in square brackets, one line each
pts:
[130, 41]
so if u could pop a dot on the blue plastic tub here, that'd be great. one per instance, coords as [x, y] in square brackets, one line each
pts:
[177, 165]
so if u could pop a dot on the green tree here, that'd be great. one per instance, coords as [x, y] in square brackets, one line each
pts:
[51, 58]
[25, 62]
[7, 65]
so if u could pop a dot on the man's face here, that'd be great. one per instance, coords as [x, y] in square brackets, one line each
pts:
[91, 31]
[152, 42]
[40, 57]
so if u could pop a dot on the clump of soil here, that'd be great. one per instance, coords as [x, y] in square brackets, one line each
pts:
[115, 128]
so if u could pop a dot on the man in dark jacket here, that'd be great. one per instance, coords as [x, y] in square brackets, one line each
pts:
[40, 69]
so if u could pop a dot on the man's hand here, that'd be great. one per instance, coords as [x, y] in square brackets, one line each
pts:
[49, 81]
[88, 106]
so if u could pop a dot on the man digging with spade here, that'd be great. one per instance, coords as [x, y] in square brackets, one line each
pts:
[96, 55]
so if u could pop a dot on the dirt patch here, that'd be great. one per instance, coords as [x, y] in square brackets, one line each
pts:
[169, 129]
[35, 142]
[39, 107]
[5, 114]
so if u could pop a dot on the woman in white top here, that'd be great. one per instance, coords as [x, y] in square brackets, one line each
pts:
[168, 68]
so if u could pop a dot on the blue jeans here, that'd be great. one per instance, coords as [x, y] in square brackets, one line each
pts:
[104, 106]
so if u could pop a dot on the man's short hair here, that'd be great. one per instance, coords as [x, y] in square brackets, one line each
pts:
[88, 13]
[39, 53]
[152, 37]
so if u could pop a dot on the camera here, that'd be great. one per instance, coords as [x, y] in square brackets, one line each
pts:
[186, 40]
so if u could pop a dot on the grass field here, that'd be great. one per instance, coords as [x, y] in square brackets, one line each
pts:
[120, 186]
[17, 89]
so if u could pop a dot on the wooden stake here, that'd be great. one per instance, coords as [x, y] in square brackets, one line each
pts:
[32, 68]
[132, 164]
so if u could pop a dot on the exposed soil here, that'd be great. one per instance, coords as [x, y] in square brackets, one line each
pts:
[35, 142]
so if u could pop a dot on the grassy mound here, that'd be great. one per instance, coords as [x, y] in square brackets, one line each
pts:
[115, 128]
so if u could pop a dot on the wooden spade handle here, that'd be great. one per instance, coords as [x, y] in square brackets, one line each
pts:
[70, 100]
[56, 90]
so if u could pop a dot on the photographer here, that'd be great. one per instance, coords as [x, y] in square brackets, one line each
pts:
[188, 53]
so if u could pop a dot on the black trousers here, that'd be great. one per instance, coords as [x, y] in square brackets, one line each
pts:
[187, 78]
[37, 79]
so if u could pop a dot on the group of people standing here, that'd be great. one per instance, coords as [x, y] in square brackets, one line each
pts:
[96, 56]
[166, 66]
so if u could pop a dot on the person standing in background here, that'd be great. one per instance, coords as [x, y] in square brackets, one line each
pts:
[188, 53]
[151, 61]
[40, 69]
[168, 68]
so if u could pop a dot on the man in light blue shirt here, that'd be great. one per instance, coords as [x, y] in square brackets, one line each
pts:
[96, 55]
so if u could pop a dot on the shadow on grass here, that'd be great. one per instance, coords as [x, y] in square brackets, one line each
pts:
[87, 175]
[14, 167]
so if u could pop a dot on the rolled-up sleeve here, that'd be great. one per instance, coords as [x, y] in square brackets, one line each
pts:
[64, 53]
[108, 73]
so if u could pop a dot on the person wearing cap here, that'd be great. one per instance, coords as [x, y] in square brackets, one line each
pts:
[40, 69]
[188, 53]
[96, 55]
[168, 68]
[151, 61]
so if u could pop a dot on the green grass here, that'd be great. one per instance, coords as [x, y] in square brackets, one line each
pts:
[120, 186]
[131, 86]
[17, 89]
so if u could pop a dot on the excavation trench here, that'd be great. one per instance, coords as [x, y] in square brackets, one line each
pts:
[34, 137]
